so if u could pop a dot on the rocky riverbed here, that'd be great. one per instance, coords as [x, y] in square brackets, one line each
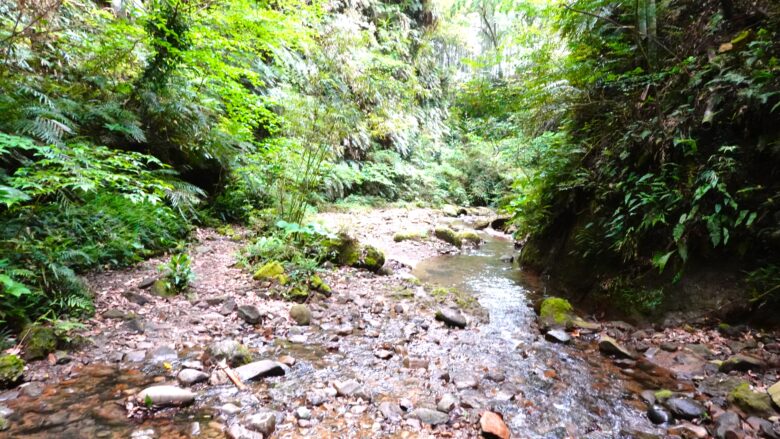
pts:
[445, 343]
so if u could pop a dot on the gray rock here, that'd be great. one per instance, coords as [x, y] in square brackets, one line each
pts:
[165, 395]
[162, 354]
[149, 281]
[228, 307]
[447, 402]
[263, 422]
[114, 313]
[301, 314]
[229, 409]
[316, 398]
[610, 346]
[260, 369]
[189, 377]
[728, 425]
[136, 325]
[302, 413]
[137, 298]
[390, 411]
[685, 408]
[430, 416]
[351, 389]
[192, 364]
[134, 356]
[465, 381]
[742, 363]
[214, 301]
[659, 415]
[451, 317]
[250, 314]
[33, 389]
[345, 329]
[238, 431]
[557, 336]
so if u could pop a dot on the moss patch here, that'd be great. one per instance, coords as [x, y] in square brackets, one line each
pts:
[272, 270]
[750, 401]
[410, 235]
[448, 235]
[556, 311]
[345, 250]
[11, 370]
[469, 236]
[38, 342]
[316, 283]
[663, 394]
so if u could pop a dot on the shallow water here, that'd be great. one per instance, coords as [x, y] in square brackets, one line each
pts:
[586, 396]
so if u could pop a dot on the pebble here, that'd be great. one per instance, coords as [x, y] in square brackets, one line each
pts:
[302, 413]
[659, 415]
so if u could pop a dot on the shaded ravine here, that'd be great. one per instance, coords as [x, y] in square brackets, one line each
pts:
[566, 390]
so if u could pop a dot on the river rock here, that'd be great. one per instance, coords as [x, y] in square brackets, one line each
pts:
[728, 426]
[263, 422]
[493, 426]
[688, 430]
[231, 350]
[301, 314]
[228, 307]
[163, 354]
[743, 363]
[390, 411]
[447, 402]
[260, 369]
[429, 416]
[189, 377]
[238, 431]
[610, 346]
[383, 354]
[659, 415]
[451, 317]
[685, 408]
[557, 336]
[250, 314]
[165, 395]
[465, 381]
[351, 388]
[774, 393]
[302, 413]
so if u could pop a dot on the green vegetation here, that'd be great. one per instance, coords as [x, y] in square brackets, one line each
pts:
[631, 145]
[555, 310]
[11, 370]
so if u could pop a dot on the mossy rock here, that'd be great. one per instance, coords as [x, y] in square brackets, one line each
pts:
[556, 311]
[663, 394]
[316, 283]
[272, 270]
[11, 370]
[162, 288]
[448, 235]
[39, 341]
[345, 250]
[410, 235]
[751, 402]
[454, 211]
[469, 236]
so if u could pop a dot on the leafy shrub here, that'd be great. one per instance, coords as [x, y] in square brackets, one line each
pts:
[178, 272]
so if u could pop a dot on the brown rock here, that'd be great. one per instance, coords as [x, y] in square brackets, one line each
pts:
[493, 426]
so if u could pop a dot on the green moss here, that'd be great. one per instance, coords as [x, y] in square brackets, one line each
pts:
[448, 235]
[345, 250]
[38, 342]
[316, 283]
[556, 310]
[750, 401]
[272, 270]
[4, 424]
[470, 236]
[11, 369]
[663, 394]
[410, 236]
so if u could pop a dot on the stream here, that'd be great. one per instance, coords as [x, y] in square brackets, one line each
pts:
[542, 389]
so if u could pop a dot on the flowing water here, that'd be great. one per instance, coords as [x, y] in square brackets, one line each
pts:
[543, 390]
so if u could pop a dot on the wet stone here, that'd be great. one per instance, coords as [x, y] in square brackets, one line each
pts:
[165, 395]
[610, 346]
[685, 408]
[263, 422]
[430, 416]
[451, 317]
[727, 426]
[189, 377]
[557, 336]
[163, 354]
[742, 363]
[259, 369]
[659, 415]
